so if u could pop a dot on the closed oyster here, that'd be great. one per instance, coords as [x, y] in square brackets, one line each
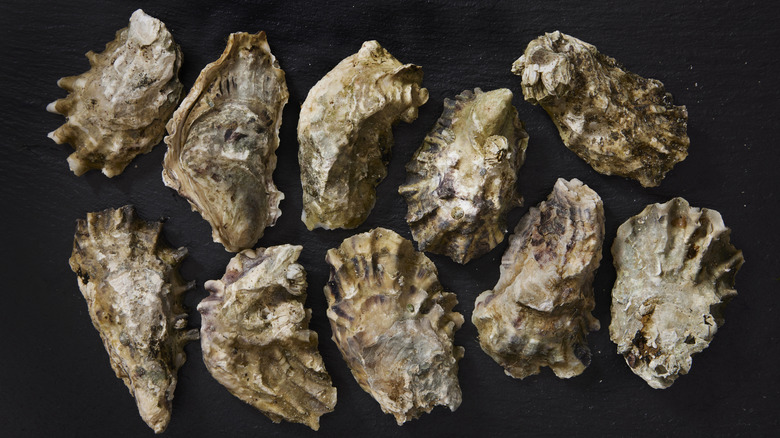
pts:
[345, 134]
[675, 273]
[394, 324]
[538, 314]
[462, 181]
[118, 109]
[619, 122]
[134, 294]
[256, 339]
[222, 142]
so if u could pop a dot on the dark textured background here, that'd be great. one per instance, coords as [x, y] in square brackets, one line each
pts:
[720, 59]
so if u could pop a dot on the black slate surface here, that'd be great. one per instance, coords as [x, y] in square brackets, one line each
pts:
[720, 59]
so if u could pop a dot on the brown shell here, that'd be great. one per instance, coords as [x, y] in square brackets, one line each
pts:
[134, 294]
[394, 324]
[118, 109]
[539, 312]
[256, 340]
[462, 181]
[223, 138]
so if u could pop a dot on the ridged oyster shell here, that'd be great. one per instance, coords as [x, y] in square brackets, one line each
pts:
[538, 314]
[462, 181]
[675, 273]
[394, 324]
[256, 339]
[345, 134]
[118, 109]
[619, 122]
[222, 142]
[130, 280]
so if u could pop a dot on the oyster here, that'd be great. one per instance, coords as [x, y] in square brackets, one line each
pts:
[134, 294]
[620, 123]
[256, 341]
[222, 142]
[345, 134]
[675, 273]
[538, 314]
[118, 109]
[462, 181]
[394, 324]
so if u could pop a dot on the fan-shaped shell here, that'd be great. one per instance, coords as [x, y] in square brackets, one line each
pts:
[675, 273]
[256, 339]
[619, 122]
[394, 324]
[463, 180]
[118, 109]
[345, 134]
[134, 294]
[539, 312]
[222, 142]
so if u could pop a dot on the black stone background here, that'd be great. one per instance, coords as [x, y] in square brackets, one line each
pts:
[720, 59]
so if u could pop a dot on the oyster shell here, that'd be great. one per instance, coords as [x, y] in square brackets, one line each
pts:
[256, 339]
[619, 122]
[394, 324]
[462, 181]
[538, 314]
[222, 142]
[345, 134]
[134, 294]
[675, 273]
[118, 109]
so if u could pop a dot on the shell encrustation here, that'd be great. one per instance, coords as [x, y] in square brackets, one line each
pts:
[675, 274]
[118, 109]
[538, 314]
[134, 295]
[619, 122]
[223, 138]
[256, 339]
[394, 324]
[345, 134]
[462, 181]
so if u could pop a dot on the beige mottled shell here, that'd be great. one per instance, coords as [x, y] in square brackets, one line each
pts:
[345, 134]
[118, 109]
[394, 324]
[675, 274]
[222, 142]
[619, 122]
[134, 294]
[463, 180]
[256, 339]
[539, 312]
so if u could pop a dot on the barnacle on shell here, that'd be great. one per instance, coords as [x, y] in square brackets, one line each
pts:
[345, 134]
[619, 122]
[463, 180]
[675, 273]
[118, 109]
[394, 324]
[538, 314]
[134, 294]
[222, 142]
[256, 339]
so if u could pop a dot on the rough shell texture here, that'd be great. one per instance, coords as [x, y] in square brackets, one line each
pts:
[675, 273]
[620, 123]
[222, 142]
[256, 339]
[463, 180]
[345, 134]
[134, 294]
[118, 109]
[539, 312]
[394, 324]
